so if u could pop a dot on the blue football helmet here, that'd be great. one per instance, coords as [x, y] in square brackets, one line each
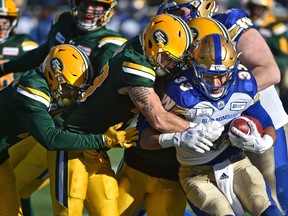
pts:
[215, 66]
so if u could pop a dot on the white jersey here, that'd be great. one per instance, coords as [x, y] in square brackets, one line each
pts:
[237, 22]
[181, 98]
[272, 104]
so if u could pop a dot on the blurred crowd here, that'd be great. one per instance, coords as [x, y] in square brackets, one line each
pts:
[129, 19]
[130, 15]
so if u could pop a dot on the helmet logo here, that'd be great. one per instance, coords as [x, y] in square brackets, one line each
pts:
[160, 37]
[56, 64]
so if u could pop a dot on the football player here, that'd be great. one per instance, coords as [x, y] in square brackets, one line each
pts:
[83, 26]
[158, 168]
[126, 82]
[275, 34]
[62, 79]
[217, 177]
[13, 45]
[253, 47]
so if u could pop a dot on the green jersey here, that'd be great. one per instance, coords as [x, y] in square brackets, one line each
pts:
[99, 45]
[107, 102]
[12, 47]
[24, 107]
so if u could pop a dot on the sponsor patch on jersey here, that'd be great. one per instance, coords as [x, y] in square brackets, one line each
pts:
[10, 51]
[160, 37]
[60, 38]
[236, 106]
[204, 112]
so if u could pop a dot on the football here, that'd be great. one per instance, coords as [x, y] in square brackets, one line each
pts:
[241, 124]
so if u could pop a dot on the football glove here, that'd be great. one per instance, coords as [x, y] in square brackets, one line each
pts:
[211, 130]
[252, 142]
[125, 138]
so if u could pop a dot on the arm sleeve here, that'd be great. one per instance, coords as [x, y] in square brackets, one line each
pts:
[27, 61]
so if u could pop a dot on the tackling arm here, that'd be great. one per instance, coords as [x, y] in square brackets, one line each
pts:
[149, 104]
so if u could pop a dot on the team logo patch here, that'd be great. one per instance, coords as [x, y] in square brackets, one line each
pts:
[204, 112]
[160, 37]
[236, 106]
[56, 64]
[221, 104]
[195, 33]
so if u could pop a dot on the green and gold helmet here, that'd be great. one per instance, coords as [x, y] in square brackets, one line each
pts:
[68, 72]
[8, 10]
[166, 38]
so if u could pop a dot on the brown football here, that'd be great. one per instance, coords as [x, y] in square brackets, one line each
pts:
[241, 124]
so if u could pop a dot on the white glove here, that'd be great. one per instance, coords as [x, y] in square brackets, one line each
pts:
[211, 130]
[188, 139]
[252, 142]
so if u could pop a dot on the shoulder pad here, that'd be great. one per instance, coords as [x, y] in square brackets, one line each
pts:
[139, 70]
[119, 41]
[180, 91]
[29, 45]
[236, 21]
[245, 82]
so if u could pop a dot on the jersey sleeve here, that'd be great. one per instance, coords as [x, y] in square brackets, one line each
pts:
[257, 111]
[135, 70]
[236, 21]
[28, 60]
[33, 114]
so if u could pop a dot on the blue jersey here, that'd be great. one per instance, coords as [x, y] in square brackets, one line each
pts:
[182, 99]
[236, 21]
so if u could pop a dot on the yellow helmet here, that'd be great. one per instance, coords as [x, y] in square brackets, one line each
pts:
[214, 56]
[105, 15]
[9, 10]
[198, 8]
[202, 26]
[166, 33]
[68, 72]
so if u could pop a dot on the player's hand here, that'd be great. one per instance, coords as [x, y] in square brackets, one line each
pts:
[211, 130]
[125, 138]
[250, 142]
[190, 138]
[193, 139]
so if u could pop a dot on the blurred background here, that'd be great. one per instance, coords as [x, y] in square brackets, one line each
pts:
[130, 15]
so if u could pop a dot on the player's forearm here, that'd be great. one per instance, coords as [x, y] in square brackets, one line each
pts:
[166, 122]
[256, 56]
[149, 104]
